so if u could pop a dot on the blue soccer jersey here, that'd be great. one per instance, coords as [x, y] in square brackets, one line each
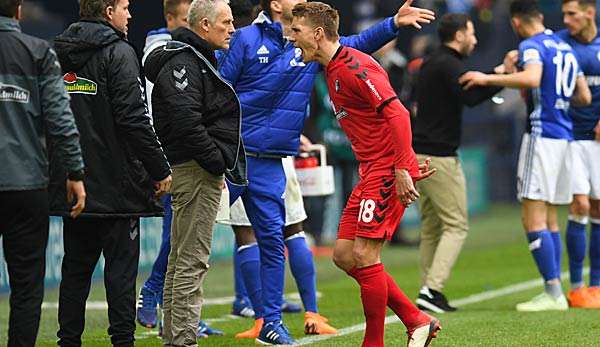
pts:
[588, 55]
[548, 104]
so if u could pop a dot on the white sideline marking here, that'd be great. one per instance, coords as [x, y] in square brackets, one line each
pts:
[471, 299]
[103, 305]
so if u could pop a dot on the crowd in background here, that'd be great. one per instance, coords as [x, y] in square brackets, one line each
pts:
[498, 135]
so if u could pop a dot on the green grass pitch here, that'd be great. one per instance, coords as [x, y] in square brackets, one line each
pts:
[495, 256]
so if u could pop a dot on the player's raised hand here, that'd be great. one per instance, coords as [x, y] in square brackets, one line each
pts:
[408, 15]
[405, 188]
[471, 79]
[424, 171]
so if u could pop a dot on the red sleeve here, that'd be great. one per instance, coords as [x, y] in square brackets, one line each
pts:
[399, 121]
[374, 85]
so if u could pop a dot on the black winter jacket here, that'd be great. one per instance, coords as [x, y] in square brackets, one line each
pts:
[196, 114]
[122, 154]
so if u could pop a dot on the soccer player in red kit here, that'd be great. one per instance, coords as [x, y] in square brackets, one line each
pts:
[378, 127]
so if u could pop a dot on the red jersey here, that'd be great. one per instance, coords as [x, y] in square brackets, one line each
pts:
[369, 112]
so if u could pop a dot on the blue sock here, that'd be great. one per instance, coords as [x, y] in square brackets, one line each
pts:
[303, 269]
[156, 281]
[576, 240]
[542, 249]
[595, 253]
[557, 240]
[249, 257]
[238, 280]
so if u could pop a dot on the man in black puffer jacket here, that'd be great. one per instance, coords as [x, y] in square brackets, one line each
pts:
[197, 118]
[124, 166]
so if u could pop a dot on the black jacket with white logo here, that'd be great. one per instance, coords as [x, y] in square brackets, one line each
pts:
[196, 113]
[34, 109]
[122, 153]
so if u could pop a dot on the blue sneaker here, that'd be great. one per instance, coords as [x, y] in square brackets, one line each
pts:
[275, 333]
[204, 330]
[290, 307]
[242, 307]
[146, 311]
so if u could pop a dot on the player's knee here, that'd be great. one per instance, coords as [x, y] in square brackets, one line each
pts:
[343, 260]
[293, 229]
[580, 206]
[244, 235]
[362, 257]
[595, 209]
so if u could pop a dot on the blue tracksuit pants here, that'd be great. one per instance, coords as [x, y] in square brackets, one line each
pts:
[264, 202]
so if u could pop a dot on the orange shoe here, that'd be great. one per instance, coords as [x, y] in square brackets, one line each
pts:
[595, 293]
[315, 324]
[253, 332]
[583, 298]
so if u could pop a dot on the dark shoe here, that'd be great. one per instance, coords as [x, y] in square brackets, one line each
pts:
[432, 300]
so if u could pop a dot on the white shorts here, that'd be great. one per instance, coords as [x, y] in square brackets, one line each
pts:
[544, 170]
[586, 168]
[294, 205]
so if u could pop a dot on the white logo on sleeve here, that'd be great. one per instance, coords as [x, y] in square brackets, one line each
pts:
[181, 81]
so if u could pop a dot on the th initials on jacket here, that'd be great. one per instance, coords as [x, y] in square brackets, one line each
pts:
[263, 55]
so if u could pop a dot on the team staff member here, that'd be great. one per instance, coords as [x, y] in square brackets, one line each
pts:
[197, 117]
[437, 127]
[125, 168]
[33, 106]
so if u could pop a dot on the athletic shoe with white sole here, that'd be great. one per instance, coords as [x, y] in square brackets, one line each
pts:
[275, 333]
[544, 302]
[434, 301]
[242, 307]
[421, 336]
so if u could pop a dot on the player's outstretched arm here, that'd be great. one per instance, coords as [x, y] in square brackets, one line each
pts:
[582, 95]
[529, 78]
[415, 16]
[376, 36]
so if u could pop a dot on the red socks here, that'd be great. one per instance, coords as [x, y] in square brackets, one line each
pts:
[408, 313]
[377, 291]
[373, 293]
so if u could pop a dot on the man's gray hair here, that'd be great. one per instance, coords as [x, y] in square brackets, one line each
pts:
[203, 9]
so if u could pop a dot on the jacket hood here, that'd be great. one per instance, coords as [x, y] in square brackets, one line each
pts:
[83, 39]
[181, 37]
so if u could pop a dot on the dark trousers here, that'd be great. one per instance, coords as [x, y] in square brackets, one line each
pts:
[84, 239]
[24, 232]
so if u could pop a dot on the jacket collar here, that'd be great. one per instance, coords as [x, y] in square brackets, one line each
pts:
[185, 35]
[263, 17]
[452, 51]
[267, 22]
[9, 24]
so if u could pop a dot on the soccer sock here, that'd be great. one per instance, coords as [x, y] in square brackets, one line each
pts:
[576, 248]
[373, 293]
[542, 249]
[557, 240]
[402, 306]
[303, 269]
[238, 280]
[250, 268]
[595, 253]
